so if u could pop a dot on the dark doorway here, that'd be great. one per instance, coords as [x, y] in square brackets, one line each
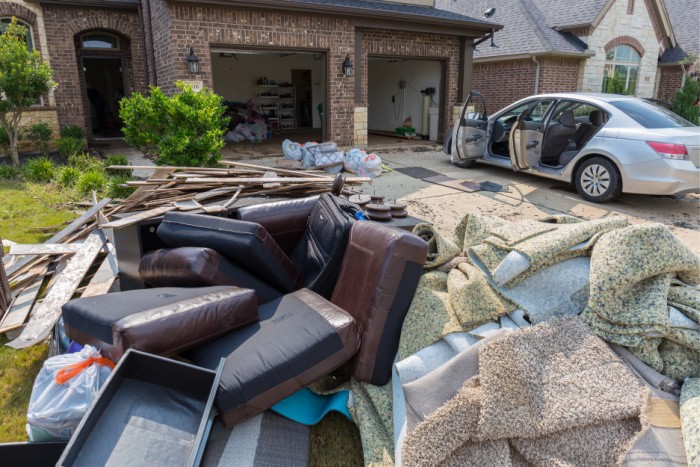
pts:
[104, 86]
[301, 80]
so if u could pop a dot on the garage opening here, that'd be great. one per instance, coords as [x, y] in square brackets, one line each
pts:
[404, 99]
[271, 95]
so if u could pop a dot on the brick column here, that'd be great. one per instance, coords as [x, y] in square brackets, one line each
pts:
[360, 127]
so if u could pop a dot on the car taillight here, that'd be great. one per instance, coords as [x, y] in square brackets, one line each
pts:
[669, 150]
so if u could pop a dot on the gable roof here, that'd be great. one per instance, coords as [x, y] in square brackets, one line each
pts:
[526, 29]
[685, 17]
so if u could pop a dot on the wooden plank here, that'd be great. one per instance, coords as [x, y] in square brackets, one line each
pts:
[5, 294]
[160, 172]
[260, 180]
[263, 168]
[44, 249]
[17, 314]
[138, 217]
[45, 315]
[271, 174]
[62, 235]
[105, 275]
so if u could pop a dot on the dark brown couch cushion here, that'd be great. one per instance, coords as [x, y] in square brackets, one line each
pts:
[300, 337]
[163, 321]
[245, 243]
[380, 273]
[199, 267]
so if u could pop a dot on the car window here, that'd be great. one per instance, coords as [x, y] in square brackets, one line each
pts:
[538, 112]
[650, 115]
[581, 110]
[515, 112]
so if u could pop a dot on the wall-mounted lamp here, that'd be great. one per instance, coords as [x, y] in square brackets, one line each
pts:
[347, 66]
[193, 62]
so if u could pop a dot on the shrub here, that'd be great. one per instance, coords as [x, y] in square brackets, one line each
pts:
[85, 162]
[118, 159]
[684, 102]
[8, 172]
[72, 131]
[68, 176]
[68, 146]
[92, 180]
[39, 169]
[4, 141]
[40, 134]
[186, 129]
[119, 192]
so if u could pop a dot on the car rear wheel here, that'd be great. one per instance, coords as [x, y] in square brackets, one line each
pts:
[466, 164]
[597, 180]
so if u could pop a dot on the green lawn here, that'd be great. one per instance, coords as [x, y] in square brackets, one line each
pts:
[24, 209]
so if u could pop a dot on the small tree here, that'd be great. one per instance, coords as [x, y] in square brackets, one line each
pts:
[24, 78]
[185, 129]
[684, 102]
[615, 84]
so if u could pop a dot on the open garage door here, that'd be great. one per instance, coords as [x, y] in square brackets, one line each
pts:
[407, 91]
[285, 89]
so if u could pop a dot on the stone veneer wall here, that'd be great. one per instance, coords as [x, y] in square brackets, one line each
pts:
[360, 131]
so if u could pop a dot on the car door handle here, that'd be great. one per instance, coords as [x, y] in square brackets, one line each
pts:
[472, 139]
[532, 145]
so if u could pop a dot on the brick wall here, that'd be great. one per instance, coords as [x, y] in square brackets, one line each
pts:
[503, 83]
[203, 27]
[62, 26]
[157, 15]
[670, 78]
[559, 74]
[416, 45]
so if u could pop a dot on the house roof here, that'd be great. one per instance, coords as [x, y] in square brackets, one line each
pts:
[685, 17]
[527, 28]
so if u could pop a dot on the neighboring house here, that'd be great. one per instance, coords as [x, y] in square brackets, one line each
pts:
[578, 45]
[102, 50]
[677, 62]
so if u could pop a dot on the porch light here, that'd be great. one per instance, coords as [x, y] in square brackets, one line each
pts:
[347, 66]
[193, 62]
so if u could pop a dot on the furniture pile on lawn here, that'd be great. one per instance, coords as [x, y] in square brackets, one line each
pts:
[557, 341]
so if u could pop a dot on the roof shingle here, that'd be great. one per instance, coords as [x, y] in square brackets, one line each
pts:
[685, 18]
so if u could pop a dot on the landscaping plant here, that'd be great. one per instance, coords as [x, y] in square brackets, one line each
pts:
[684, 102]
[39, 169]
[120, 192]
[24, 78]
[69, 146]
[72, 131]
[94, 180]
[9, 172]
[186, 129]
[68, 176]
[40, 134]
[85, 162]
[118, 159]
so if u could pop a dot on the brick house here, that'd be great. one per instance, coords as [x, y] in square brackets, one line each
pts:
[578, 45]
[102, 50]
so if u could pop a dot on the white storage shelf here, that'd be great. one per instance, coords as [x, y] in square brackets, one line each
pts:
[278, 103]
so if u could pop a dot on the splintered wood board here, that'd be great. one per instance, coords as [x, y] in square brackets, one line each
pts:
[44, 249]
[17, 314]
[138, 217]
[105, 275]
[45, 315]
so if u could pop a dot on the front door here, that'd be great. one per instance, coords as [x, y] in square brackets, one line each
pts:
[469, 134]
[104, 88]
[526, 134]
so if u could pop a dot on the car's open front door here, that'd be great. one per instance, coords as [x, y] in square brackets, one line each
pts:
[469, 133]
[526, 134]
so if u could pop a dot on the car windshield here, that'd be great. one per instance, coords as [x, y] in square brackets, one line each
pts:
[650, 115]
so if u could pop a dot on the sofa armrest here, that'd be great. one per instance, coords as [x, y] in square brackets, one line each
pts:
[285, 221]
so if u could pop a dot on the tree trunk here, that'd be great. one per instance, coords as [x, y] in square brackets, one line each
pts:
[13, 148]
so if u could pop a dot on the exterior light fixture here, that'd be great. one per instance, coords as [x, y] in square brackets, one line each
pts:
[347, 66]
[193, 62]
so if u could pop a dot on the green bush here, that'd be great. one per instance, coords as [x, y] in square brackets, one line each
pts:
[68, 146]
[118, 159]
[186, 129]
[684, 102]
[72, 131]
[4, 141]
[68, 176]
[39, 169]
[92, 180]
[39, 134]
[85, 162]
[8, 172]
[119, 192]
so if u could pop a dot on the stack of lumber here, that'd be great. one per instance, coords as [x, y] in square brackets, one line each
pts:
[79, 260]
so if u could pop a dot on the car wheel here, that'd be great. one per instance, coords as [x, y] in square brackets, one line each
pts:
[467, 164]
[597, 180]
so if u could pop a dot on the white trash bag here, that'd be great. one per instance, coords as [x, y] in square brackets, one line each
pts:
[292, 150]
[63, 391]
[359, 162]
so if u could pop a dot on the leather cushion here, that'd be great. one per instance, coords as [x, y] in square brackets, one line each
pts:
[300, 337]
[162, 321]
[245, 243]
[380, 273]
[199, 267]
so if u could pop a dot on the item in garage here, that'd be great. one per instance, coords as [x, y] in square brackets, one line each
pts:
[63, 390]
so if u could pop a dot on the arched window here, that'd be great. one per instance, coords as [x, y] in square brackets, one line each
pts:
[621, 70]
[99, 41]
[5, 22]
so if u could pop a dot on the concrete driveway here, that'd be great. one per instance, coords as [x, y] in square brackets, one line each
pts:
[529, 197]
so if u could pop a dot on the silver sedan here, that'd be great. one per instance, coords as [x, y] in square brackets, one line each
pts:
[604, 144]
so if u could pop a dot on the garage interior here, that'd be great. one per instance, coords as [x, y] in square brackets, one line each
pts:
[271, 95]
[399, 88]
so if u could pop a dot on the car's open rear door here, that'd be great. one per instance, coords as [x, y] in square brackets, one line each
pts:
[469, 134]
[526, 134]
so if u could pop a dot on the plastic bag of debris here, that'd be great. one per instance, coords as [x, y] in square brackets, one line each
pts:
[63, 391]
[363, 164]
[308, 159]
[292, 151]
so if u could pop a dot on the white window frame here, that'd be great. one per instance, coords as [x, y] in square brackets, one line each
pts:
[629, 63]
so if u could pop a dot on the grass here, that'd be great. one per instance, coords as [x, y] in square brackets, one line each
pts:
[24, 207]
